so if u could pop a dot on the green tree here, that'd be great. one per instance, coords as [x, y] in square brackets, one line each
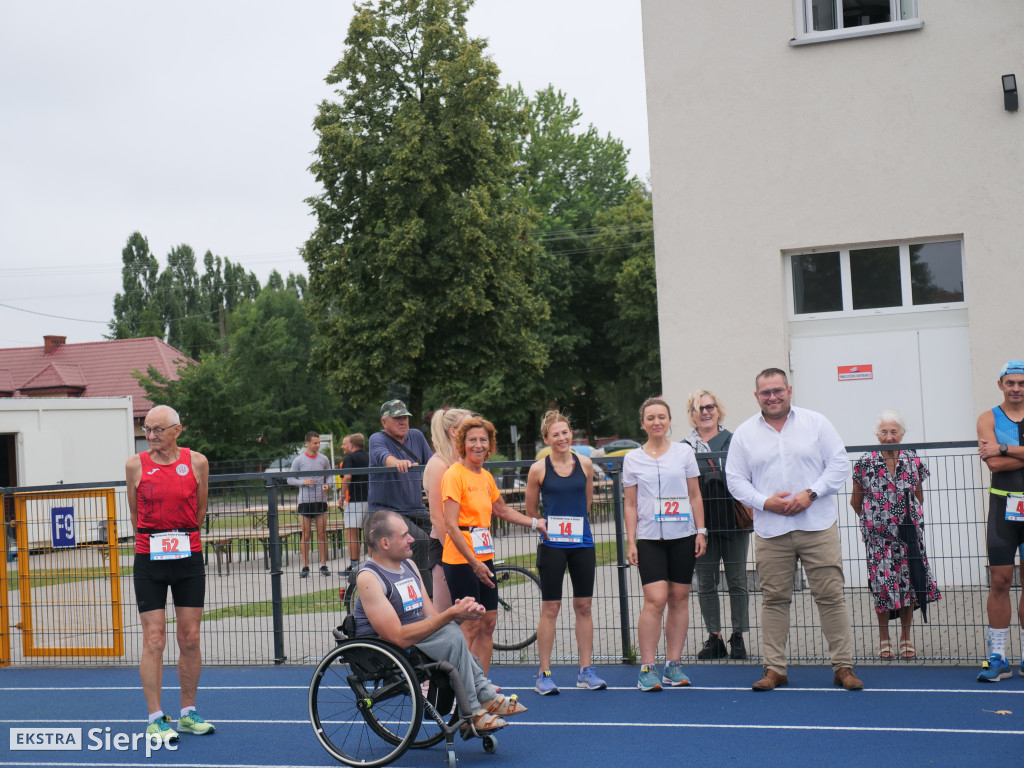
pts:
[571, 175]
[623, 244]
[257, 400]
[421, 270]
[136, 313]
[179, 305]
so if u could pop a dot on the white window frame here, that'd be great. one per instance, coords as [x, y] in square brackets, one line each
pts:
[845, 275]
[806, 34]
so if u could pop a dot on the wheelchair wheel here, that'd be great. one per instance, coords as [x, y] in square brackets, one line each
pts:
[364, 703]
[518, 607]
[351, 594]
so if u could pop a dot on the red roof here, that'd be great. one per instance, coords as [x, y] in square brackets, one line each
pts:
[92, 369]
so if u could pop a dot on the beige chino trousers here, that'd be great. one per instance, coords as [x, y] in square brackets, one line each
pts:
[822, 558]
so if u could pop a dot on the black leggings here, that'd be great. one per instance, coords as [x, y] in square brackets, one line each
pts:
[552, 562]
[667, 559]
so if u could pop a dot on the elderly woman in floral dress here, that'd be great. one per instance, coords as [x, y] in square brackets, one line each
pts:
[887, 497]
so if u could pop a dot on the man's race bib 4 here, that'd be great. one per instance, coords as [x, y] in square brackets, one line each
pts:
[565, 530]
[673, 509]
[409, 589]
[482, 544]
[1015, 507]
[171, 545]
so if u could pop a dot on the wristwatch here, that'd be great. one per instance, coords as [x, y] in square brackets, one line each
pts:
[812, 494]
[1003, 449]
[703, 532]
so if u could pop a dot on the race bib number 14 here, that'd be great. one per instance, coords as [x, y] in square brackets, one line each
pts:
[565, 530]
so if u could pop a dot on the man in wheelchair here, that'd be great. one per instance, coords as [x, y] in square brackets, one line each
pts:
[393, 605]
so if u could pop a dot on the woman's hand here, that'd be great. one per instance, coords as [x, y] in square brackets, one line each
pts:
[482, 572]
[631, 554]
[701, 544]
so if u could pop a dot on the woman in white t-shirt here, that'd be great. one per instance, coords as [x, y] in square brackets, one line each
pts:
[665, 535]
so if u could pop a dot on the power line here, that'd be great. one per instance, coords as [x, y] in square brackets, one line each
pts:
[58, 317]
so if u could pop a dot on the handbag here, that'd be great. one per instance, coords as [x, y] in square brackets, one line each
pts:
[743, 515]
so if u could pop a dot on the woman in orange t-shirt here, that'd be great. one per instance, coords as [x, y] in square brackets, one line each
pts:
[470, 497]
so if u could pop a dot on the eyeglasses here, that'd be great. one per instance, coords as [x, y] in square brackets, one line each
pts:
[764, 394]
[157, 431]
[707, 408]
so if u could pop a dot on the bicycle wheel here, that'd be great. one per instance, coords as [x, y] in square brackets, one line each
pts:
[364, 703]
[518, 607]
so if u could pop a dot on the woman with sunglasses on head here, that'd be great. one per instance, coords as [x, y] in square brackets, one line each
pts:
[564, 483]
[727, 542]
[665, 534]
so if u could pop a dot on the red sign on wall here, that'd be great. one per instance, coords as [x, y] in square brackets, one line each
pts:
[855, 372]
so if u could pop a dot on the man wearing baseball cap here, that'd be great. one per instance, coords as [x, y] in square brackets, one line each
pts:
[406, 449]
[1001, 447]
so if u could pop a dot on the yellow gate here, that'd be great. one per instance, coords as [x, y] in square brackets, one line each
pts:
[69, 575]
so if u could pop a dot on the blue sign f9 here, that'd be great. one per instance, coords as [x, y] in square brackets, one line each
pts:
[62, 524]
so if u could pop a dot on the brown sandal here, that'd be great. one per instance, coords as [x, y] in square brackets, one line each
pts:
[483, 722]
[504, 706]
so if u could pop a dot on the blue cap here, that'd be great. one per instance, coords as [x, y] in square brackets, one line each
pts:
[1012, 366]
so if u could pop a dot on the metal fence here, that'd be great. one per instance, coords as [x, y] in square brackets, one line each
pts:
[258, 610]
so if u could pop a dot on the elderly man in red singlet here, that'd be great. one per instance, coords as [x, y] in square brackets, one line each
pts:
[167, 489]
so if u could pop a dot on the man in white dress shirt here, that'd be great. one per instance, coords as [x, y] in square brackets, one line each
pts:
[787, 463]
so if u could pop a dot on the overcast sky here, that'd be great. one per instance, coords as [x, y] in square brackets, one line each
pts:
[190, 122]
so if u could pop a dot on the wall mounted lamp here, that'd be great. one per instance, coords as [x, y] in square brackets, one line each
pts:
[1010, 93]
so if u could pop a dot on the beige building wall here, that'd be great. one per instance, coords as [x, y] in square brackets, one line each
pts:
[759, 147]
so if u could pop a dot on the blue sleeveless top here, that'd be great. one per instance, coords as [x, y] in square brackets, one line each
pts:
[566, 497]
[400, 592]
[1008, 433]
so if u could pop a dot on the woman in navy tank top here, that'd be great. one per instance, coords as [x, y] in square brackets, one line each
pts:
[564, 482]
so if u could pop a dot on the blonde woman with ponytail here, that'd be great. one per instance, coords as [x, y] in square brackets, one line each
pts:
[443, 426]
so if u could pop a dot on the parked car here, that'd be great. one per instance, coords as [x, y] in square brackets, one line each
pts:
[619, 447]
[284, 464]
[581, 450]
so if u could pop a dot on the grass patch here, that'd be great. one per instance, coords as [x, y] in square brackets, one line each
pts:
[604, 551]
[56, 576]
[322, 601]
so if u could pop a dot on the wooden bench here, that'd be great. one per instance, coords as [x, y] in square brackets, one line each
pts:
[222, 542]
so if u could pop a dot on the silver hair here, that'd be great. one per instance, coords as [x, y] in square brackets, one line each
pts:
[175, 418]
[890, 415]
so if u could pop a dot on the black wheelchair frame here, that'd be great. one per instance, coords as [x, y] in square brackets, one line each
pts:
[370, 701]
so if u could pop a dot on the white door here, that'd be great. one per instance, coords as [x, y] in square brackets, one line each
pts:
[924, 374]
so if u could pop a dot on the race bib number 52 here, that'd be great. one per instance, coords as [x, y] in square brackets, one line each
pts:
[172, 545]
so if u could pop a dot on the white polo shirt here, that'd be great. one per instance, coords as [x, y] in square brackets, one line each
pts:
[806, 454]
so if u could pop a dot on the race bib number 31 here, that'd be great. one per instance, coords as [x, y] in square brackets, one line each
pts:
[565, 530]
[172, 545]
[482, 544]
[1015, 507]
[673, 509]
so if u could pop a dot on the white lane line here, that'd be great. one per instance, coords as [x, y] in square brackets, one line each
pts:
[590, 724]
[988, 689]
